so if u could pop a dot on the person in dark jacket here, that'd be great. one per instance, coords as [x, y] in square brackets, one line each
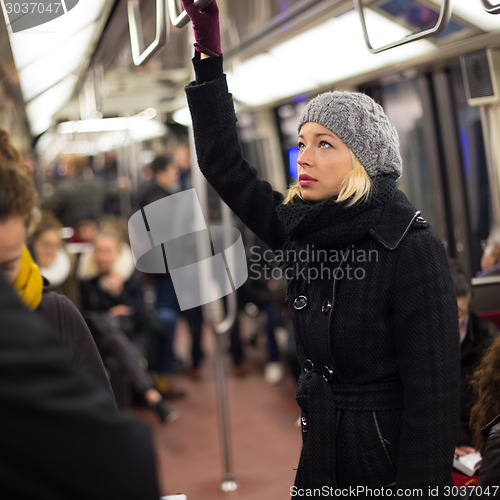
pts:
[163, 183]
[112, 302]
[61, 434]
[162, 334]
[485, 421]
[476, 334]
[18, 200]
[368, 285]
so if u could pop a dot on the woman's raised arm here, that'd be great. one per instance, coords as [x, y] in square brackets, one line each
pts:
[216, 137]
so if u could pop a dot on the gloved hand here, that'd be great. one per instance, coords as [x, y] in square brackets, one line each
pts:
[205, 27]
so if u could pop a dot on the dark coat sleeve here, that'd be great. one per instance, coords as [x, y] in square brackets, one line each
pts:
[94, 298]
[64, 317]
[427, 345]
[479, 336]
[221, 160]
[87, 291]
[61, 435]
[133, 296]
[489, 473]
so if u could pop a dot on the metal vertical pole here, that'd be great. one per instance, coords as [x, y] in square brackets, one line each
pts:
[211, 314]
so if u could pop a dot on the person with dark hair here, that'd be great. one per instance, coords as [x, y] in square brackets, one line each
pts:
[476, 334]
[485, 421]
[368, 284]
[61, 435]
[164, 182]
[162, 332]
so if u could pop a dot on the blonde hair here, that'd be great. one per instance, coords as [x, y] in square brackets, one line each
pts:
[355, 187]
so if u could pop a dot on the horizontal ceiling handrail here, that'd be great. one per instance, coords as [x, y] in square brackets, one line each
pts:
[442, 22]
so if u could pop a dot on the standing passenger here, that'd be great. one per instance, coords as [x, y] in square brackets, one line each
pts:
[76, 191]
[369, 289]
[56, 264]
[162, 338]
[476, 334]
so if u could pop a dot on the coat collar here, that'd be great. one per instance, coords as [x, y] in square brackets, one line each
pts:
[395, 221]
[487, 428]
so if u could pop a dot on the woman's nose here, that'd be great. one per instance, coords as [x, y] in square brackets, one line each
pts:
[305, 158]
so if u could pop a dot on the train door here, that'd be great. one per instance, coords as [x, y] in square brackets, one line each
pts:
[444, 168]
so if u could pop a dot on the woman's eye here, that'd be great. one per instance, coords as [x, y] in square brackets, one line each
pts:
[324, 144]
[301, 145]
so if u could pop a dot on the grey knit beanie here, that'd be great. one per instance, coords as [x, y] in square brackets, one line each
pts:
[362, 125]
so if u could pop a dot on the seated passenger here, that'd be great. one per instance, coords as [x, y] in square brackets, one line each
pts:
[112, 302]
[490, 261]
[476, 334]
[56, 264]
[110, 283]
[18, 202]
[485, 421]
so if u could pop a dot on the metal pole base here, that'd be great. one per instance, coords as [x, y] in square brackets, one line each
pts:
[229, 485]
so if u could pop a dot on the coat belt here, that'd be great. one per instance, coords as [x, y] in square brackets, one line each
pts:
[320, 398]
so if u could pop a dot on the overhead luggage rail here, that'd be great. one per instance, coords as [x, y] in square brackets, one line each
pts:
[490, 8]
[182, 19]
[441, 24]
[135, 28]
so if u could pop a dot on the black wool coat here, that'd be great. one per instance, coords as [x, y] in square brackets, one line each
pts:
[61, 435]
[64, 317]
[387, 342]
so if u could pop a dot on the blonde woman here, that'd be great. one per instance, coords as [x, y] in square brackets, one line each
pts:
[368, 285]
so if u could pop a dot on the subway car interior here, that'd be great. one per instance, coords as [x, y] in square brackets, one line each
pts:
[105, 80]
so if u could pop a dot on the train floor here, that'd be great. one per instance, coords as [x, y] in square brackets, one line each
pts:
[265, 441]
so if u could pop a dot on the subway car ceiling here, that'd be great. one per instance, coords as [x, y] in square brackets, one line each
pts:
[80, 64]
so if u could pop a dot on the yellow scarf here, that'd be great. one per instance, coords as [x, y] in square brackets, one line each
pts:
[29, 282]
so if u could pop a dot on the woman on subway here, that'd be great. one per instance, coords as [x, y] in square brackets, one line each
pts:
[55, 262]
[112, 302]
[368, 284]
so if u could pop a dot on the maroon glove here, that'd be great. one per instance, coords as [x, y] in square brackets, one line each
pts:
[205, 27]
